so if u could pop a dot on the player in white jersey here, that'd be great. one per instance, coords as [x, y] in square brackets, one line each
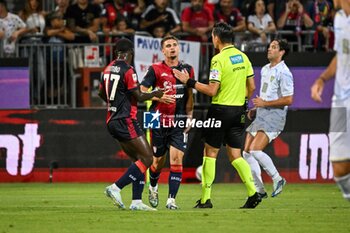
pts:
[339, 67]
[276, 93]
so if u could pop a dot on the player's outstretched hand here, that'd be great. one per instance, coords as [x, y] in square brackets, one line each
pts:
[183, 75]
[317, 89]
[167, 99]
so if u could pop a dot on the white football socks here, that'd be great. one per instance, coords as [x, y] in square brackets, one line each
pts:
[153, 189]
[266, 162]
[115, 187]
[344, 185]
[256, 172]
[135, 202]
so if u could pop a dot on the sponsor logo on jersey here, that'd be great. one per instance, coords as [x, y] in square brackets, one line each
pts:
[168, 85]
[112, 109]
[236, 59]
[177, 96]
[264, 87]
[238, 68]
[115, 69]
[179, 86]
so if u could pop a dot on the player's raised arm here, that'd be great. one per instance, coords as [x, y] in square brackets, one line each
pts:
[208, 89]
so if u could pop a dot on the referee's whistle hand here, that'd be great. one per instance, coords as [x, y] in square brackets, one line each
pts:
[182, 76]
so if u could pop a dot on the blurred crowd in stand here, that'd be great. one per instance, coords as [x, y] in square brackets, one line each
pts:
[87, 21]
[255, 23]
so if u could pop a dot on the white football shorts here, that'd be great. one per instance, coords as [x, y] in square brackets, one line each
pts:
[269, 120]
[339, 132]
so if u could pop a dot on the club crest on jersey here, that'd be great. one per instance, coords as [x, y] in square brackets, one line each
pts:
[134, 77]
[168, 85]
[151, 120]
[272, 78]
[236, 59]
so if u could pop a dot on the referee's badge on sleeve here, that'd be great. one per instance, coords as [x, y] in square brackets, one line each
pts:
[214, 74]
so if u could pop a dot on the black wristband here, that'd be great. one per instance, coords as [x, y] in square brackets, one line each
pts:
[191, 83]
[246, 102]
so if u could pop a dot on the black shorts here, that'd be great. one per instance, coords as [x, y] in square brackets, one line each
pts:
[125, 129]
[163, 138]
[232, 126]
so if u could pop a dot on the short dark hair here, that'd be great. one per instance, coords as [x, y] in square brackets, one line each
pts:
[53, 15]
[283, 43]
[223, 31]
[124, 45]
[168, 38]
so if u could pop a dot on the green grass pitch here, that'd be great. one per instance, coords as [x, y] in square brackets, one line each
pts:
[50, 208]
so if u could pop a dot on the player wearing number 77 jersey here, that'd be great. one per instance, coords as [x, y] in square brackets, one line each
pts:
[119, 88]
